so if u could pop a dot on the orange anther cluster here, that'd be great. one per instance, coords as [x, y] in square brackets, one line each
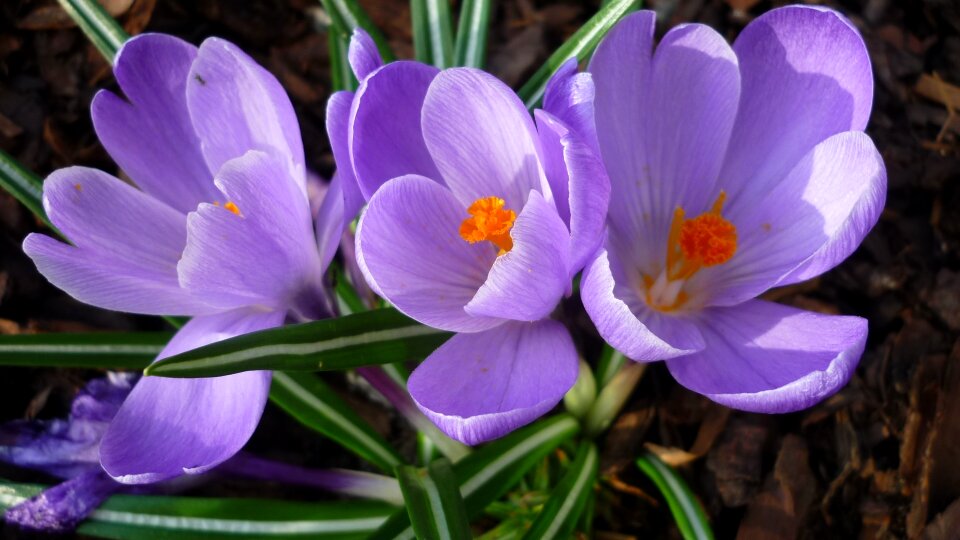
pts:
[489, 221]
[708, 239]
[232, 207]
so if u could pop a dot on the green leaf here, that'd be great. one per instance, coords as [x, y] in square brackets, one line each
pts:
[489, 472]
[432, 32]
[25, 186]
[341, 76]
[683, 504]
[380, 336]
[114, 350]
[472, 31]
[311, 402]
[559, 515]
[348, 14]
[433, 501]
[579, 46]
[611, 360]
[100, 28]
[164, 518]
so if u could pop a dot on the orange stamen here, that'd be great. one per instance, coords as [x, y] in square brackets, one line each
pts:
[229, 206]
[489, 222]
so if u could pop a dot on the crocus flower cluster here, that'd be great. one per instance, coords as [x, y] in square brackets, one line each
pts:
[734, 170]
[477, 221]
[219, 228]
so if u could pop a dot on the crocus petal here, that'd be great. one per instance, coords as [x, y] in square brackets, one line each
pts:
[477, 387]
[526, 283]
[330, 221]
[569, 96]
[806, 76]
[410, 251]
[59, 509]
[338, 125]
[623, 319]
[237, 106]
[832, 197]
[385, 137]
[363, 54]
[126, 244]
[263, 255]
[769, 358]
[577, 175]
[168, 427]
[150, 134]
[651, 117]
[482, 138]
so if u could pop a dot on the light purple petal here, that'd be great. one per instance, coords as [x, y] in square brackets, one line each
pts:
[60, 508]
[663, 125]
[126, 245]
[330, 221]
[569, 96]
[477, 387]
[266, 255]
[526, 283]
[410, 250]
[170, 427]
[338, 126]
[623, 319]
[363, 54]
[806, 76]
[769, 358]
[237, 106]
[385, 136]
[580, 186]
[150, 134]
[482, 138]
[834, 194]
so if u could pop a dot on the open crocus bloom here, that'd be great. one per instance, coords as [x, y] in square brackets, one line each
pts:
[220, 229]
[464, 232]
[733, 170]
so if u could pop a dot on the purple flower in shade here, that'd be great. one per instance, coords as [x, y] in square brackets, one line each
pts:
[477, 220]
[69, 449]
[733, 170]
[220, 229]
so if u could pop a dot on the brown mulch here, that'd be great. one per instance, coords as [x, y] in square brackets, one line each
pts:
[881, 459]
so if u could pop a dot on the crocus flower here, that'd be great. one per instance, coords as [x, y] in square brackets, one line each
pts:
[477, 219]
[218, 228]
[733, 170]
[69, 449]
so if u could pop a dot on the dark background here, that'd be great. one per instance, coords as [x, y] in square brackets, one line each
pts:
[881, 459]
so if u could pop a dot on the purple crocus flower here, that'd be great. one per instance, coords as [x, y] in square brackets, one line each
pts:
[734, 170]
[477, 221]
[69, 449]
[220, 229]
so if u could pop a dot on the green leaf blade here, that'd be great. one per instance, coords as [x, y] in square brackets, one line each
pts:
[433, 501]
[559, 515]
[373, 337]
[683, 504]
[472, 31]
[348, 14]
[150, 517]
[312, 403]
[490, 471]
[113, 350]
[100, 28]
[580, 45]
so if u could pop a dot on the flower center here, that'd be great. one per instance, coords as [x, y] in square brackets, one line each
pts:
[706, 240]
[489, 221]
